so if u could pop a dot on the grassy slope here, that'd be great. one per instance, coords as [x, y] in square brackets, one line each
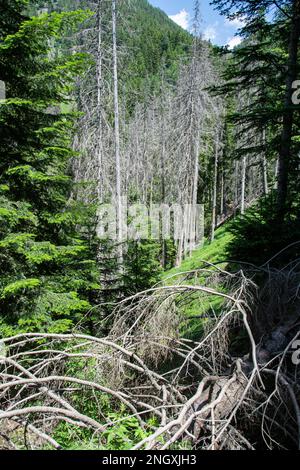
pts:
[198, 305]
[212, 252]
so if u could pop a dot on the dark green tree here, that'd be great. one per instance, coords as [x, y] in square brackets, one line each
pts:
[142, 266]
[264, 68]
[47, 272]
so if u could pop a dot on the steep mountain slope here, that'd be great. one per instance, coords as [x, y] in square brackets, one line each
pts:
[155, 42]
[148, 39]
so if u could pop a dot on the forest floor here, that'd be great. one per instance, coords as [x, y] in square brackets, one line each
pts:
[214, 252]
[205, 256]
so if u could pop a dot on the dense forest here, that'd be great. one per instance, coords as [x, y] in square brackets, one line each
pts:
[149, 228]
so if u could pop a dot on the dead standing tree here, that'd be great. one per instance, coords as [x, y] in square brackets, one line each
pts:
[193, 112]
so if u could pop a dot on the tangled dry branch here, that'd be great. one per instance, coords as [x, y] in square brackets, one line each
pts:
[236, 387]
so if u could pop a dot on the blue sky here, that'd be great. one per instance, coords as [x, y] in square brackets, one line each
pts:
[215, 27]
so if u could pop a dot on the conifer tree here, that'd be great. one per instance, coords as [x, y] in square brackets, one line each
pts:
[47, 272]
[264, 68]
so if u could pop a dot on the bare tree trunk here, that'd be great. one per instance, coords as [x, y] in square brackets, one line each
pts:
[265, 175]
[288, 116]
[99, 102]
[117, 134]
[179, 250]
[276, 173]
[162, 172]
[243, 187]
[265, 167]
[236, 186]
[192, 235]
[214, 195]
[222, 194]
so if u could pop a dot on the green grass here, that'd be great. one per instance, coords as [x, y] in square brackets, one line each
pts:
[199, 308]
[212, 252]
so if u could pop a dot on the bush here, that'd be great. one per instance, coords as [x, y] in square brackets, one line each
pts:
[258, 235]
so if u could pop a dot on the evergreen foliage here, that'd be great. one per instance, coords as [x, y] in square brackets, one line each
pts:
[257, 238]
[47, 272]
[262, 71]
[148, 39]
[142, 266]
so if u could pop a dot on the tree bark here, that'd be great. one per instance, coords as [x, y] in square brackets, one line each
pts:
[236, 191]
[99, 102]
[243, 189]
[288, 116]
[117, 135]
[265, 168]
[162, 171]
[214, 196]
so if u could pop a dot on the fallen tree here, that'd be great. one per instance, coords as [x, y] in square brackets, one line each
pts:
[237, 387]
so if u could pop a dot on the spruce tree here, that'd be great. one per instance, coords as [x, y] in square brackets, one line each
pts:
[47, 272]
[264, 69]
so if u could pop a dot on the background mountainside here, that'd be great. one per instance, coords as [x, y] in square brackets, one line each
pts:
[148, 38]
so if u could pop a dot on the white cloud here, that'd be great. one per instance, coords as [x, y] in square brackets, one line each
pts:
[233, 42]
[181, 18]
[210, 33]
[235, 23]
